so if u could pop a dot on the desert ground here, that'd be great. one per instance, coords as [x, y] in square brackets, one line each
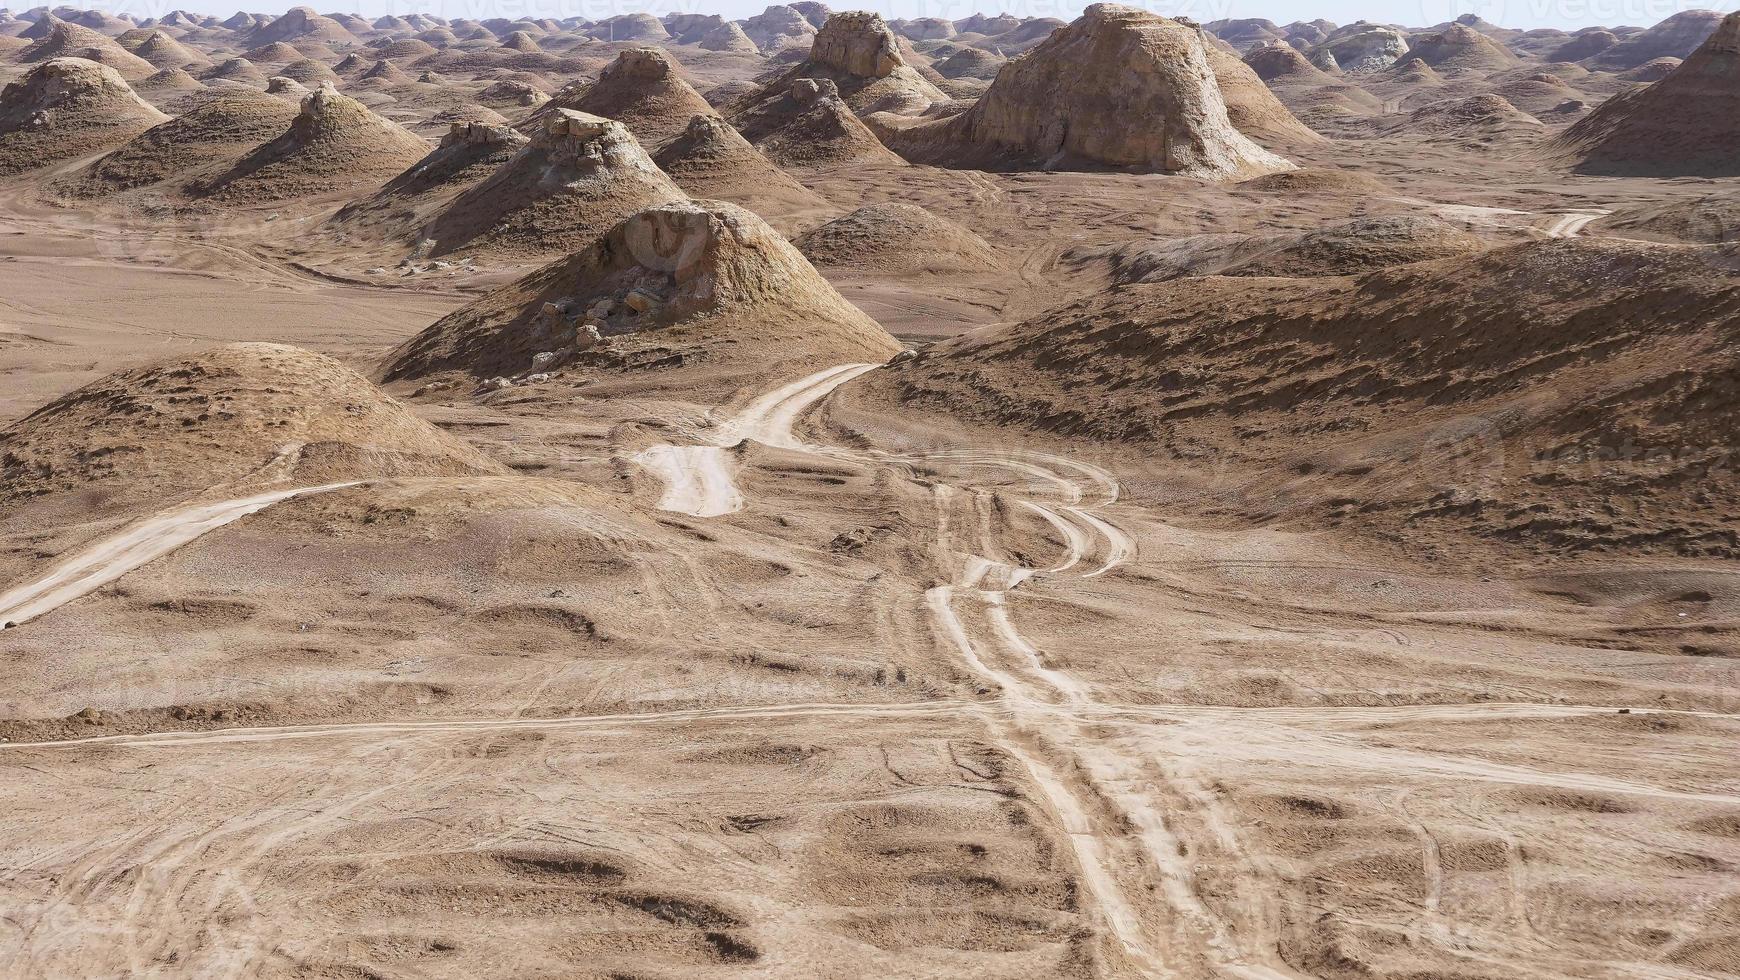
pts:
[818, 496]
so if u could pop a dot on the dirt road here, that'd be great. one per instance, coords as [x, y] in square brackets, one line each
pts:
[138, 545]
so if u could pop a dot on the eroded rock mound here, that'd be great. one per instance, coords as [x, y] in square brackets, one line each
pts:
[1459, 47]
[1118, 88]
[811, 126]
[1687, 124]
[241, 415]
[333, 144]
[897, 238]
[577, 177]
[68, 108]
[471, 151]
[1252, 106]
[859, 56]
[672, 285]
[1366, 48]
[713, 161]
[1585, 45]
[643, 90]
[1281, 60]
[1675, 37]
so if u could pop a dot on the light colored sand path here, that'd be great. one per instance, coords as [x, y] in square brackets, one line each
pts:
[138, 545]
[698, 479]
[1571, 223]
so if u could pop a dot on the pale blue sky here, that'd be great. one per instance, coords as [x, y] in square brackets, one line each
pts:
[1568, 14]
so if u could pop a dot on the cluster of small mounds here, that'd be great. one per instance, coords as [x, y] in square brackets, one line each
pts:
[68, 108]
[1068, 104]
[1504, 369]
[579, 175]
[672, 285]
[1687, 124]
[64, 40]
[897, 239]
[1344, 248]
[246, 412]
[334, 144]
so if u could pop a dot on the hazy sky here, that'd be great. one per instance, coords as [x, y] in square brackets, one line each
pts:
[1416, 13]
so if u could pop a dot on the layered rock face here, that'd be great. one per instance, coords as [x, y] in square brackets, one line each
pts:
[1687, 124]
[1119, 87]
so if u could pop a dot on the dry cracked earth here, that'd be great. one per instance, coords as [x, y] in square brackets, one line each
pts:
[812, 496]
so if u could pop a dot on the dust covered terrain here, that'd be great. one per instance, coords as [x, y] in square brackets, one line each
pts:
[819, 496]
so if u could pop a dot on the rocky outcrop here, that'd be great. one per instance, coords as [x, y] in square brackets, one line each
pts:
[858, 44]
[1118, 88]
[1687, 124]
[482, 134]
[1371, 48]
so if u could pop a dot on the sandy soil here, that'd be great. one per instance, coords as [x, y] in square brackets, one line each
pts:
[797, 681]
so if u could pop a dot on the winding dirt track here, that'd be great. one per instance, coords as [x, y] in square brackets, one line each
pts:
[138, 545]
[1126, 784]
[698, 479]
